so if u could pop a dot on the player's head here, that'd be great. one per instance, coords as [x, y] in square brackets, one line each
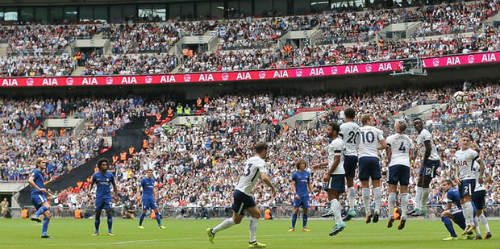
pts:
[400, 126]
[349, 113]
[419, 124]
[465, 142]
[41, 163]
[102, 164]
[301, 164]
[333, 130]
[446, 185]
[149, 173]
[261, 150]
[367, 119]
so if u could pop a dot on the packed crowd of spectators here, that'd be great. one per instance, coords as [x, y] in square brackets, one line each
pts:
[24, 137]
[28, 66]
[129, 64]
[198, 165]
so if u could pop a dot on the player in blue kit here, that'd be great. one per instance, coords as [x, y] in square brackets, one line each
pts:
[38, 196]
[148, 199]
[301, 186]
[453, 214]
[103, 179]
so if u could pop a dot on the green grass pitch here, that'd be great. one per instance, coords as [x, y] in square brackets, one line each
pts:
[73, 234]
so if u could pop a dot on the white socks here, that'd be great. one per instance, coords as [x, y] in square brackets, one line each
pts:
[352, 198]
[366, 200]
[377, 196]
[468, 213]
[254, 223]
[476, 224]
[425, 196]
[418, 198]
[392, 203]
[404, 205]
[335, 205]
[483, 220]
[225, 224]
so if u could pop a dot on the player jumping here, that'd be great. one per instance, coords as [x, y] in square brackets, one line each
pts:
[103, 180]
[349, 132]
[450, 214]
[466, 177]
[334, 177]
[399, 152]
[38, 196]
[372, 140]
[430, 163]
[148, 199]
[243, 200]
[301, 186]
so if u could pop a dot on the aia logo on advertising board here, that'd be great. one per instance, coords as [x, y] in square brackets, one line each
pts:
[435, 62]
[368, 68]
[225, 76]
[30, 82]
[262, 75]
[69, 81]
[187, 77]
[109, 80]
[335, 70]
[298, 72]
[149, 79]
[471, 59]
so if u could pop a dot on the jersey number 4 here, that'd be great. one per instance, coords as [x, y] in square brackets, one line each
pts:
[402, 147]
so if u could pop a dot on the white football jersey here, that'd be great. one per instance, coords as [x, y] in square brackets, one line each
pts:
[370, 140]
[251, 174]
[400, 145]
[336, 148]
[464, 160]
[425, 135]
[349, 132]
[480, 187]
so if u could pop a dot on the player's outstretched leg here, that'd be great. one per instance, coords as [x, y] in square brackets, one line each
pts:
[339, 223]
[97, 222]
[158, 219]
[40, 211]
[225, 224]
[110, 222]
[449, 226]
[141, 219]
[484, 221]
[45, 225]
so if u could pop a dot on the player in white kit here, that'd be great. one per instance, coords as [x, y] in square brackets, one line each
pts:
[334, 177]
[372, 140]
[349, 132]
[254, 169]
[479, 200]
[465, 175]
[430, 164]
[399, 153]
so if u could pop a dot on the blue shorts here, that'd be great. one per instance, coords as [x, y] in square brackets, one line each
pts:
[430, 168]
[149, 203]
[369, 167]
[103, 203]
[38, 200]
[467, 187]
[303, 202]
[350, 165]
[458, 217]
[479, 199]
[337, 183]
[399, 174]
[242, 201]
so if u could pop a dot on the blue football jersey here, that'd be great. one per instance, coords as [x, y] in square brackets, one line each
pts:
[103, 182]
[147, 188]
[301, 180]
[39, 179]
